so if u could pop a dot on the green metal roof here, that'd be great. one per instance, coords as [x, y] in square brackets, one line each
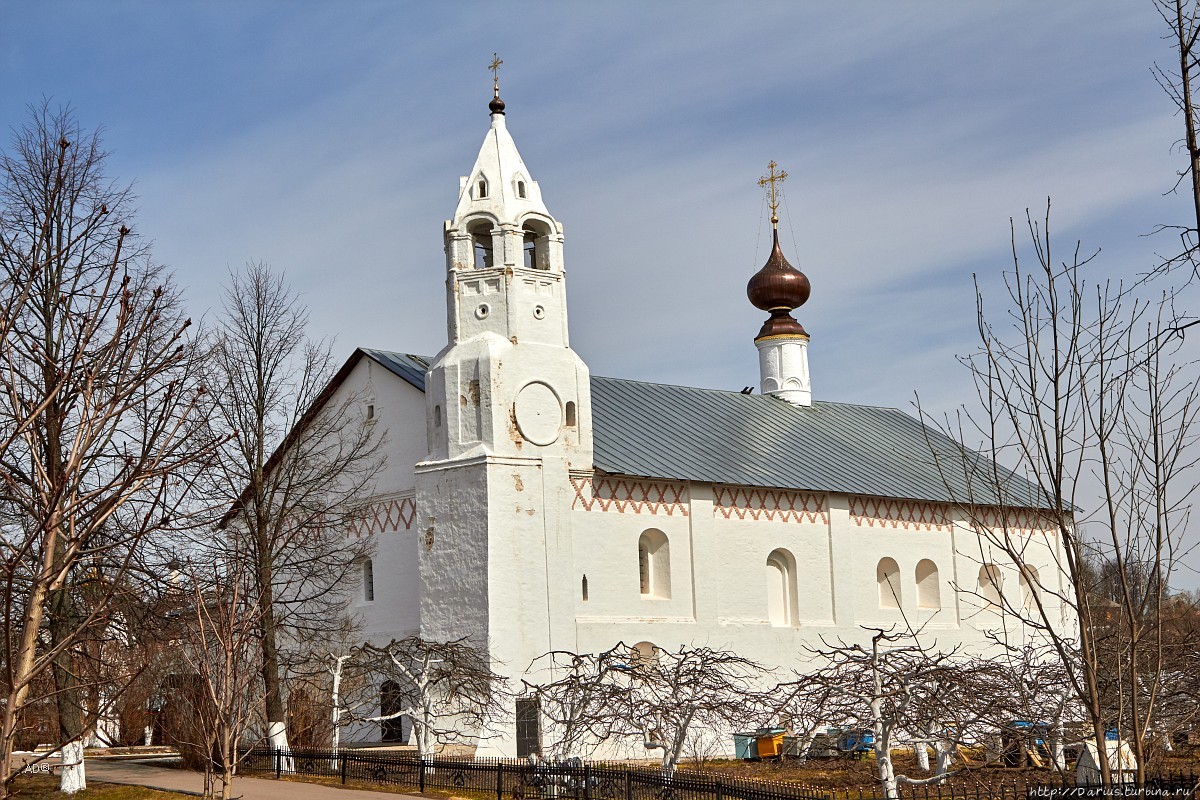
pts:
[655, 430]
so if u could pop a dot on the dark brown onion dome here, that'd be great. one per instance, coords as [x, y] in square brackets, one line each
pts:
[780, 323]
[497, 105]
[778, 284]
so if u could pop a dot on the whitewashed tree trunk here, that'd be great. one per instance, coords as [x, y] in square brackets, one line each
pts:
[73, 777]
[277, 740]
[944, 750]
[335, 698]
[148, 735]
[1056, 745]
[921, 751]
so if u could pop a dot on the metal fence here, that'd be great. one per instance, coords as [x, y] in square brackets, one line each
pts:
[516, 779]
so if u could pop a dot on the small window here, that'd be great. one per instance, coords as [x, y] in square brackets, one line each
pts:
[570, 413]
[368, 581]
[437, 416]
[370, 412]
[990, 585]
[929, 593]
[521, 189]
[887, 575]
[781, 588]
[481, 189]
[1029, 588]
[654, 564]
[585, 589]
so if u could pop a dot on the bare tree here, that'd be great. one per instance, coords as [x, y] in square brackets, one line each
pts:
[220, 650]
[901, 692]
[299, 462]
[658, 696]
[447, 690]
[1179, 81]
[582, 706]
[1082, 393]
[98, 444]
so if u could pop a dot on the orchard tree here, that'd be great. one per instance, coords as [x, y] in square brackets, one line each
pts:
[447, 690]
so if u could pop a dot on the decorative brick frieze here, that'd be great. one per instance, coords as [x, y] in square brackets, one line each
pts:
[909, 515]
[772, 505]
[629, 496]
[1025, 521]
[382, 516]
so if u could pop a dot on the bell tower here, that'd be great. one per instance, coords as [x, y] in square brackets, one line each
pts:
[508, 381]
[508, 415]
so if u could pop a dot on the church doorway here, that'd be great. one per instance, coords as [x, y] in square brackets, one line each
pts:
[529, 728]
[390, 699]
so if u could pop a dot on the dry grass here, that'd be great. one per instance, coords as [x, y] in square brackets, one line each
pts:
[45, 787]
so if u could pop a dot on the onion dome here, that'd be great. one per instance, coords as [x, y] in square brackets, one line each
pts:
[778, 287]
[778, 284]
[497, 105]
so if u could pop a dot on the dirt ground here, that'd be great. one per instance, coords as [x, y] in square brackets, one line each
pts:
[852, 774]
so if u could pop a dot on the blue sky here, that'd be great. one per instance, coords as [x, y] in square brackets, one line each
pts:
[327, 139]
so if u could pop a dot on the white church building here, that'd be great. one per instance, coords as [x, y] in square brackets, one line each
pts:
[538, 507]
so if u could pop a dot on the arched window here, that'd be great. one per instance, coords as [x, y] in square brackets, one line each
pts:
[654, 564]
[391, 700]
[781, 588]
[584, 587]
[536, 244]
[481, 189]
[570, 413]
[887, 574]
[481, 242]
[929, 592]
[368, 580]
[991, 585]
[521, 189]
[1028, 578]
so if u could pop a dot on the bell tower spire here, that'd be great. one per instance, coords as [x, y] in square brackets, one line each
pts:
[512, 384]
[779, 288]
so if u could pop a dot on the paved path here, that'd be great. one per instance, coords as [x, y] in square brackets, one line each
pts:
[147, 773]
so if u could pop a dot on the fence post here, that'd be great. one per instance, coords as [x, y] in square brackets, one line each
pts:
[587, 781]
[343, 768]
[628, 784]
[278, 762]
[500, 781]
[720, 789]
[422, 774]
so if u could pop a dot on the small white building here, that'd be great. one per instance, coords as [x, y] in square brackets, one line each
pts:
[540, 508]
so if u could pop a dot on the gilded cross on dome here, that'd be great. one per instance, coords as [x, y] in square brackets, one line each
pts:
[770, 179]
[495, 68]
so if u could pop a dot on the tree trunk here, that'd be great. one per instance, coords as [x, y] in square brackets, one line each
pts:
[921, 751]
[272, 686]
[944, 750]
[1057, 750]
[68, 694]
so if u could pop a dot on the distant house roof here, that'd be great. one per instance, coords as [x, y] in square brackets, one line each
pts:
[655, 430]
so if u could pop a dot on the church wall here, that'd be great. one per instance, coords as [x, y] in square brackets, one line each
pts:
[837, 543]
[390, 516]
